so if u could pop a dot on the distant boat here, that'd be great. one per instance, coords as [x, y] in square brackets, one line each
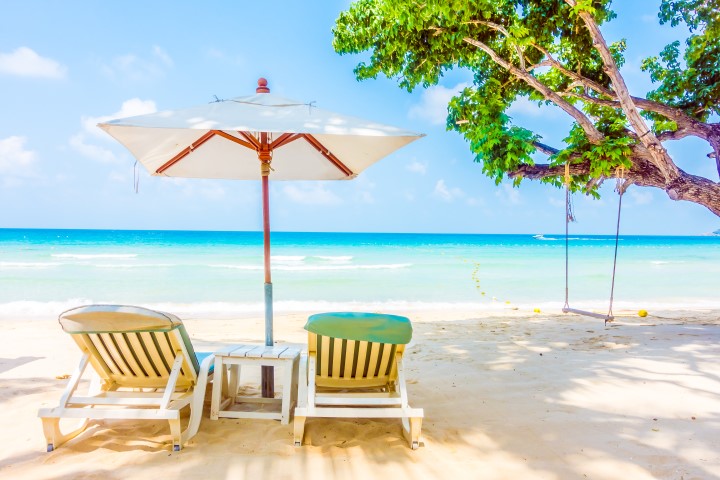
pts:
[539, 236]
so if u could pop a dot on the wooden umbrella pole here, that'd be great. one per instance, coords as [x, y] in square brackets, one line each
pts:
[266, 245]
[268, 373]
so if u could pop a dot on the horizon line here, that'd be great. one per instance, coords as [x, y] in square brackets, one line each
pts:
[562, 234]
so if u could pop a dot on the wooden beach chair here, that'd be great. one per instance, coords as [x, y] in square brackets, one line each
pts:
[354, 369]
[145, 369]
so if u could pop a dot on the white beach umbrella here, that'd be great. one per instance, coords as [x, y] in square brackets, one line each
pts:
[257, 137]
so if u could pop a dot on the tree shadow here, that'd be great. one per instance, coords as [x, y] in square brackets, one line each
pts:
[7, 364]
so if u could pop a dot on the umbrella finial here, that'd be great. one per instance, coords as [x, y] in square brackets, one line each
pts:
[262, 86]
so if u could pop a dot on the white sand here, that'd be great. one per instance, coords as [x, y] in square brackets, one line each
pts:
[506, 396]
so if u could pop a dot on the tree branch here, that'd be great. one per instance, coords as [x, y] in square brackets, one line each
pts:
[593, 134]
[687, 187]
[575, 76]
[506, 34]
[546, 149]
[671, 113]
[659, 155]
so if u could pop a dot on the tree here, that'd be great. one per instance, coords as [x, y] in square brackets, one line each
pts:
[553, 52]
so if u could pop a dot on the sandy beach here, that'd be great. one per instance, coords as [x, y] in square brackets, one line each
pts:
[507, 395]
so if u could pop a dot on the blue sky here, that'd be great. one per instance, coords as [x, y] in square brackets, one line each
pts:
[64, 66]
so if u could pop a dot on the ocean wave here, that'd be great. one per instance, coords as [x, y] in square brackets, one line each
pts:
[337, 258]
[135, 265]
[33, 309]
[288, 258]
[30, 264]
[310, 268]
[89, 256]
[304, 258]
[585, 239]
[239, 267]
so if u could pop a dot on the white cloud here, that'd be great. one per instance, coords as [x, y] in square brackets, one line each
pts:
[589, 201]
[15, 160]
[215, 53]
[81, 143]
[523, 106]
[317, 194]
[556, 202]
[640, 197]
[433, 103]
[130, 67]
[129, 108]
[366, 197]
[220, 55]
[417, 167]
[649, 18]
[163, 56]
[363, 189]
[24, 62]
[119, 177]
[446, 193]
[191, 187]
[211, 190]
[95, 152]
[509, 194]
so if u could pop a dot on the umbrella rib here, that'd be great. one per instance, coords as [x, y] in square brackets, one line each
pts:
[207, 136]
[327, 154]
[233, 138]
[284, 139]
[253, 144]
[250, 138]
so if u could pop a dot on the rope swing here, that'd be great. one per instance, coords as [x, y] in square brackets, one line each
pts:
[570, 217]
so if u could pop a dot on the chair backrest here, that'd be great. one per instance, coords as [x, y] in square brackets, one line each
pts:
[132, 346]
[356, 350]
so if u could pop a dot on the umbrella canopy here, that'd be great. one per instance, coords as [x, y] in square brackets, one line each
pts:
[230, 139]
[223, 139]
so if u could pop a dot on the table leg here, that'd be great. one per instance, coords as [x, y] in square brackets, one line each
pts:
[234, 382]
[294, 381]
[218, 387]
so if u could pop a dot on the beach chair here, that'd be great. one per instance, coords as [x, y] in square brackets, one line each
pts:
[145, 369]
[354, 369]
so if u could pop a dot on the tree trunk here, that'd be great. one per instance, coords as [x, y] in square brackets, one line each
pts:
[691, 188]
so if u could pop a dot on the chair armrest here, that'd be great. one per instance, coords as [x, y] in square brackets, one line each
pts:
[303, 381]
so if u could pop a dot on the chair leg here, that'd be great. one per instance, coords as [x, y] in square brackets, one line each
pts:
[411, 431]
[198, 401]
[300, 413]
[176, 433]
[299, 429]
[53, 435]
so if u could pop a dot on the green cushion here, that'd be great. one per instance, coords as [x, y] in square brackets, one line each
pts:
[369, 327]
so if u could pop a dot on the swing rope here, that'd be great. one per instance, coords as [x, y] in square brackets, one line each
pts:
[620, 187]
[570, 217]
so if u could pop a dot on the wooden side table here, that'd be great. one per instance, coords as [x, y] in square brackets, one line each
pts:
[225, 399]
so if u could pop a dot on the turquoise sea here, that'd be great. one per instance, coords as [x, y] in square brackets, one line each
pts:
[219, 274]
